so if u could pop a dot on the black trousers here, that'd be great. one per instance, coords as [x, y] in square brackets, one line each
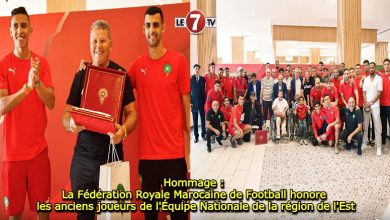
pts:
[152, 174]
[385, 118]
[210, 133]
[358, 137]
[195, 113]
[267, 107]
[320, 131]
[371, 130]
[84, 174]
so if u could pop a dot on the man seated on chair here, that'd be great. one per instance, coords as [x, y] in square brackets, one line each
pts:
[237, 129]
[353, 126]
[214, 125]
[280, 107]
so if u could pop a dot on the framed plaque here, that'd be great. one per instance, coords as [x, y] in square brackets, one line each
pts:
[101, 101]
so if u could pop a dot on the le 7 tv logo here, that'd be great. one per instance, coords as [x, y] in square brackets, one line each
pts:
[195, 21]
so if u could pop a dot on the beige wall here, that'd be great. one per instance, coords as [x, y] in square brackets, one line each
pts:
[315, 34]
[237, 49]
[65, 6]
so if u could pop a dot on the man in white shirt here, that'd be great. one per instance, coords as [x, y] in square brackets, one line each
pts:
[298, 83]
[372, 89]
[280, 107]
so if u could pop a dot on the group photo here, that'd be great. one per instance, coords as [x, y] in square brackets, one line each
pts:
[293, 95]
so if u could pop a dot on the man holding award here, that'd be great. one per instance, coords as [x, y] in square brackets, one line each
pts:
[161, 76]
[92, 146]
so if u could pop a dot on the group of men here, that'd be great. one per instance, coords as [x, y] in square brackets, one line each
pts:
[26, 89]
[220, 102]
[338, 101]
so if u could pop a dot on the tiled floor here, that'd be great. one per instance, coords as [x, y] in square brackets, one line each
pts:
[240, 168]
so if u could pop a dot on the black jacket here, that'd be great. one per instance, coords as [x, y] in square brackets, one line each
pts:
[247, 110]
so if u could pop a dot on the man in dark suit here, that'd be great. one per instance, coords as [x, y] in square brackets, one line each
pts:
[254, 86]
[280, 85]
[198, 98]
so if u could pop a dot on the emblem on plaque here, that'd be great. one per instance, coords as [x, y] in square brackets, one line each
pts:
[103, 94]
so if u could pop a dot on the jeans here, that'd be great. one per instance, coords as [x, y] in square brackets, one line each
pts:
[302, 128]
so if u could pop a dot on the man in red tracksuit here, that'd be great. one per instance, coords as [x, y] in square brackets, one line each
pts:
[319, 126]
[332, 117]
[228, 83]
[210, 77]
[214, 95]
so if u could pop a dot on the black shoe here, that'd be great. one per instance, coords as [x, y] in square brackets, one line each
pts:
[371, 143]
[359, 150]
[219, 142]
[233, 143]
[209, 149]
[346, 147]
[203, 138]
[196, 140]
[239, 141]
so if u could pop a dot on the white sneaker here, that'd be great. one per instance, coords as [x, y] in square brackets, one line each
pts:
[305, 142]
[378, 151]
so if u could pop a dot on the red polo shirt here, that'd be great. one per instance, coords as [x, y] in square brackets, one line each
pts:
[348, 90]
[385, 96]
[228, 86]
[315, 94]
[331, 114]
[317, 121]
[332, 92]
[360, 90]
[227, 112]
[210, 80]
[241, 84]
[237, 112]
[336, 83]
[25, 125]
